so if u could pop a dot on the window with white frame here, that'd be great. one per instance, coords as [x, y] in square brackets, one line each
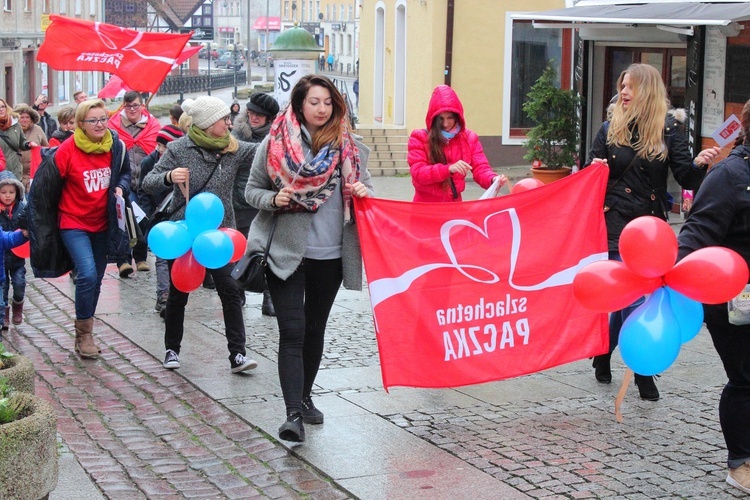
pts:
[528, 50]
[342, 12]
[333, 12]
[92, 7]
[8, 5]
[63, 6]
[78, 7]
[328, 12]
[27, 6]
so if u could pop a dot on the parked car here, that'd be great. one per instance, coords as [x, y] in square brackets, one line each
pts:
[203, 53]
[226, 61]
[262, 59]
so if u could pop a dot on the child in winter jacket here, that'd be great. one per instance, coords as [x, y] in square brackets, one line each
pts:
[441, 155]
[13, 268]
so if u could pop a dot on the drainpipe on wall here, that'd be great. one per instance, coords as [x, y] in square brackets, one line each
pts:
[449, 44]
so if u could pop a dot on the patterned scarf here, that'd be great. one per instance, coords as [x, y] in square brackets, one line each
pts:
[315, 181]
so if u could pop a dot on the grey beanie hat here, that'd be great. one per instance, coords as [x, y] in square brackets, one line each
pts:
[206, 110]
[263, 104]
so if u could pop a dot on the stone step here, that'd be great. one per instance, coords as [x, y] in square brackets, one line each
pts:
[380, 132]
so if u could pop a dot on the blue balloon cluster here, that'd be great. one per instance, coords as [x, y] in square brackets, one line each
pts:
[651, 337]
[198, 232]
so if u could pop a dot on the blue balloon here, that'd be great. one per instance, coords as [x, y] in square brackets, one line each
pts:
[213, 249]
[169, 240]
[204, 212]
[687, 312]
[650, 337]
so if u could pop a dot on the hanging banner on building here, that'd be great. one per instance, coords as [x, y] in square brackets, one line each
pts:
[465, 293]
[141, 59]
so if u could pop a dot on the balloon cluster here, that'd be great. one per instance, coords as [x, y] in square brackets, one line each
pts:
[651, 337]
[196, 243]
[526, 184]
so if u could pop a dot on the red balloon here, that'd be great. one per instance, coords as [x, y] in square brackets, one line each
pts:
[648, 246]
[239, 242]
[526, 185]
[23, 251]
[187, 273]
[609, 285]
[711, 275]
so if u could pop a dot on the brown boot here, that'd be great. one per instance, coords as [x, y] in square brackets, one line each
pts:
[17, 317]
[85, 345]
[6, 321]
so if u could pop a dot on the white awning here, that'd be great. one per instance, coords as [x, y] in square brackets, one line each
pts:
[666, 14]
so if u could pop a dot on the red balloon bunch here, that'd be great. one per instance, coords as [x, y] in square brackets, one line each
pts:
[651, 336]
[648, 247]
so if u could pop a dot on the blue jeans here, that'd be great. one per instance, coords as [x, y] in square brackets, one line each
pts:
[617, 318]
[89, 254]
[15, 276]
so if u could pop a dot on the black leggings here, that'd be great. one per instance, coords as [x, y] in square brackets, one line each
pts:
[303, 302]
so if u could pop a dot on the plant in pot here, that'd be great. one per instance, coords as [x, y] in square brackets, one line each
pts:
[552, 143]
[28, 444]
[18, 370]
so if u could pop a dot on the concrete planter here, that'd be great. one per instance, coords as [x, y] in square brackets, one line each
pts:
[28, 451]
[20, 373]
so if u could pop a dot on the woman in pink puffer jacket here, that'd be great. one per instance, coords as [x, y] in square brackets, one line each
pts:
[440, 156]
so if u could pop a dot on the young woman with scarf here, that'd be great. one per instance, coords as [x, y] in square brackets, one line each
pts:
[86, 174]
[209, 157]
[303, 181]
[443, 154]
[12, 140]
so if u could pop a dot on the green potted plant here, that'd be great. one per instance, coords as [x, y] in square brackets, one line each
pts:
[552, 143]
[18, 370]
[28, 444]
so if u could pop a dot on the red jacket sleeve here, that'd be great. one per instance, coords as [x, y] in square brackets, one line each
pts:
[480, 166]
[2, 160]
[423, 172]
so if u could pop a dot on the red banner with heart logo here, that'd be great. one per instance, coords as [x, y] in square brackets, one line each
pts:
[465, 293]
[141, 59]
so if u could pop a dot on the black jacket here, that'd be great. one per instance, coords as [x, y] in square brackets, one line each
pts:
[48, 124]
[49, 256]
[642, 189]
[149, 202]
[720, 215]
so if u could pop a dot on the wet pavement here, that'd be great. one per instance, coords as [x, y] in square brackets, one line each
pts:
[131, 429]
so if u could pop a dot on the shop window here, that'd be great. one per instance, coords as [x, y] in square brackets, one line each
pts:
[528, 51]
[7, 5]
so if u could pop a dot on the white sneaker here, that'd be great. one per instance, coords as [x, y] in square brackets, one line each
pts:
[240, 363]
[171, 360]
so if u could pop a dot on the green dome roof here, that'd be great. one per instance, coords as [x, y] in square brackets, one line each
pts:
[295, 39]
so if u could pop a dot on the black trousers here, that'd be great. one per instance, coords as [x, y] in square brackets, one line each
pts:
[303, 302]
[732, 342]
[231, 305]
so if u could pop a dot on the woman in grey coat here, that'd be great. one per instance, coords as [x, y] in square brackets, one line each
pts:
[303, 180]
[207, 155]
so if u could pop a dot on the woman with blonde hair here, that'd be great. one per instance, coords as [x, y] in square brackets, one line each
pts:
[304, 178]
[640, 143]
[72, 202]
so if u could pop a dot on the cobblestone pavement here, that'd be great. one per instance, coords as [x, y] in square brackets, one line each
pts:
[141, 431]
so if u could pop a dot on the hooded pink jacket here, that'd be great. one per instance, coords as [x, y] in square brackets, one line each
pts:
[430, 180]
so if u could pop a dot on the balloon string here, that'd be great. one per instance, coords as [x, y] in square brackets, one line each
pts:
[185, 188]
[621, 393]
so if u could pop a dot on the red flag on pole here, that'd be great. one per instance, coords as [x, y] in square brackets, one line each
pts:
[471, 292]
[141, 59]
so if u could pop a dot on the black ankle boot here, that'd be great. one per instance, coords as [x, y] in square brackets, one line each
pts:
[602, 371]
[293, 429]
[267, 308]
[647, 387]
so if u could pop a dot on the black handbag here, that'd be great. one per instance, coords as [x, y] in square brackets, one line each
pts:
[250, 271]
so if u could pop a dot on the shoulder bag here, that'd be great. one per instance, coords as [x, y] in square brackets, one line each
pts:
[250, 271]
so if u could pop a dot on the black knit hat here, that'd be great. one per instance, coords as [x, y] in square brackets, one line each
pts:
[263, 104]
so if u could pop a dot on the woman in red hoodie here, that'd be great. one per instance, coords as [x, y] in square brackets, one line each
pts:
[441, 155]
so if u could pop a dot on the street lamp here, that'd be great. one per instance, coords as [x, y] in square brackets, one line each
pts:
[210, 46]
[236, 61]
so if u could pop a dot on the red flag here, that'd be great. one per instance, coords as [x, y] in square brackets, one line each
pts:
[187, 53]
[465, 293]
[115, 87]
[141, 59]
